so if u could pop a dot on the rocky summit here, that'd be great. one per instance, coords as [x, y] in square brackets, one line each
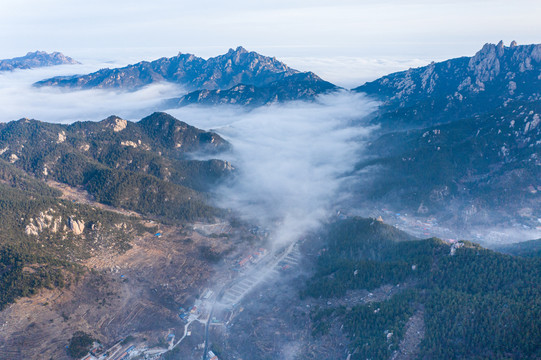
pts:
[458, 87]
[34, 60]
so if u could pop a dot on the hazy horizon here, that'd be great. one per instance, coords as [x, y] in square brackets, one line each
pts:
[346, 42]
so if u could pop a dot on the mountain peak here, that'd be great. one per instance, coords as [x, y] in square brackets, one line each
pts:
[490, 49]
[176, 134]
[112, 118]
[36, 59]
[498, 49]
[161, 120]
[116, 123]
[238, 50]
[37, 52]
[159, 116]
[496, 72]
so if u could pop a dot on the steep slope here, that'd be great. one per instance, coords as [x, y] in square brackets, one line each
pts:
[35, 59]
[300, 86]
[476, 169]
[192, 72]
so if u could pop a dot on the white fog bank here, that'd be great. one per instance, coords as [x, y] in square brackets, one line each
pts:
[291, 159]
[20, 99]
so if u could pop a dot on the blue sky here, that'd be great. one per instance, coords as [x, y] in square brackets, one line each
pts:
[343, 39]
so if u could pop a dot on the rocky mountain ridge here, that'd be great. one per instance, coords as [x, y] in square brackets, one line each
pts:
[192, 72]
[457, 88]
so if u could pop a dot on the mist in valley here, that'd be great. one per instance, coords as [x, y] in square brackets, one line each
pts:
[296, 167]
[292, 160]
[20, 99]
[295, 162]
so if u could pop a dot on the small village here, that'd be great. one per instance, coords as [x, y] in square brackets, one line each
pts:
[208, 309]
[134, 349]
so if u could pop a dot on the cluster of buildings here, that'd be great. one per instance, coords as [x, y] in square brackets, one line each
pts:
[198, 308]
[116, 352]
[252, 258]
[192, 313]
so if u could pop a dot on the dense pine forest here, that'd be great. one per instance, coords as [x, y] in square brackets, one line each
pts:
[477, 303]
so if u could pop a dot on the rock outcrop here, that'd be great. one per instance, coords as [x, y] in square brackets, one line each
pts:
[47, 220]
[77, 226]
[119, 124]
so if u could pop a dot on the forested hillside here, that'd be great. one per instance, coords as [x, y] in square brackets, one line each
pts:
[476, 303]
[138, 166]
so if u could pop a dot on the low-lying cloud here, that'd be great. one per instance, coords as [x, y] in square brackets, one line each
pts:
[19, 99]
[292, 159]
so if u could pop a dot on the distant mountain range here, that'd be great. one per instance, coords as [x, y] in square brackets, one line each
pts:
[461, 137]
[34, 60]
[221, 72]
[529, 249]
[237, 77]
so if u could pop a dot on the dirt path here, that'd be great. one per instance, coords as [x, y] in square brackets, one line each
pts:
[415, 332]
[81, 196]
